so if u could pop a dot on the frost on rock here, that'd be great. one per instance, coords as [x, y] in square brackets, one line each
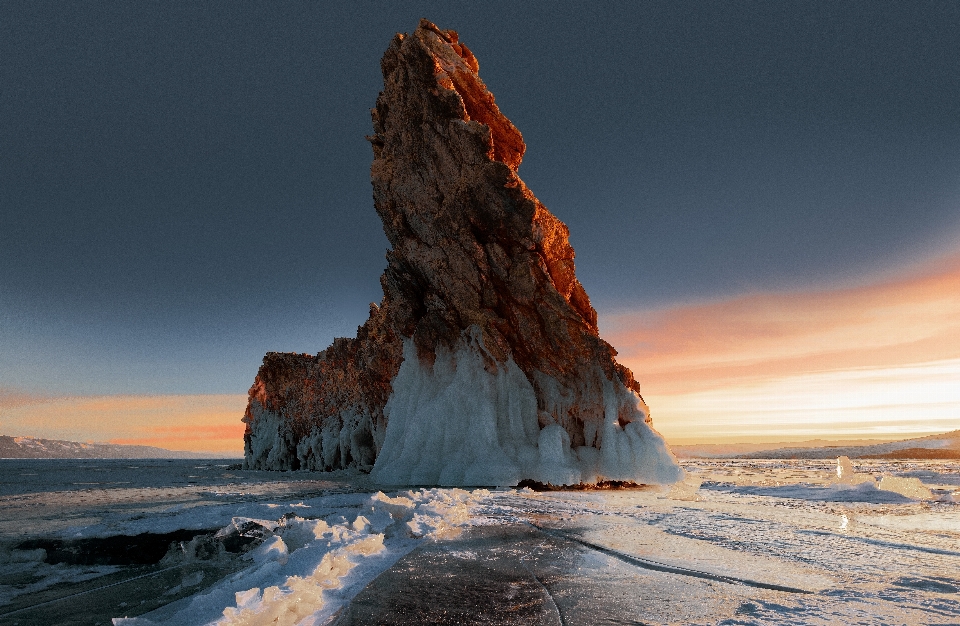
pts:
[483, 363]
[340, 441]
[457, 424]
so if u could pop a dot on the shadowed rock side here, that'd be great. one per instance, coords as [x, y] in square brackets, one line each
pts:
[484, 351]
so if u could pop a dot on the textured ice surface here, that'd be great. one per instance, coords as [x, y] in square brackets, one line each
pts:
[307, 568]
[456, 423]
[742, 548]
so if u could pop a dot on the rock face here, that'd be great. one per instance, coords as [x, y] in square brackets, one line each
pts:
[482, 365]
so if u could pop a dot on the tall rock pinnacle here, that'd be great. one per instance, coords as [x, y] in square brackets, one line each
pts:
[482, 365]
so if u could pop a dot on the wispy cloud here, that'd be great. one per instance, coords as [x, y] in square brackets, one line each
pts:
[171, 436]
[10, 398]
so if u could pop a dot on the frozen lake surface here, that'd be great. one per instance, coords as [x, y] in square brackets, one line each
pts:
[739, 542]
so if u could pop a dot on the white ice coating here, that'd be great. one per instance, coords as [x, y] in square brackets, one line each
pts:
[268, 448]
[342, 439]
[457, 424]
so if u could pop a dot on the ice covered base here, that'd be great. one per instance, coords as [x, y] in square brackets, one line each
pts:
[458, 423]
[339, 441]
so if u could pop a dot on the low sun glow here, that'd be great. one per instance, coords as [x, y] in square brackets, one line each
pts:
[198, 423]
[880, 361]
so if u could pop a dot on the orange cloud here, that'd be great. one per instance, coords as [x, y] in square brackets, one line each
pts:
[910, 320]
[226, 435]
[217, 431]
[746, 367]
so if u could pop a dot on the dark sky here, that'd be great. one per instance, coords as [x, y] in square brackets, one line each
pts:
[185, 186]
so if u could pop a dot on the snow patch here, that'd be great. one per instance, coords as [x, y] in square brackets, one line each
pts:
[909, 487]
[686, 489]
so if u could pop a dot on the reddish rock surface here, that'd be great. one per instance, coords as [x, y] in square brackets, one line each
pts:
[471, 247]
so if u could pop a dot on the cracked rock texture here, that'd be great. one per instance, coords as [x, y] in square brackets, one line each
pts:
[472, 250]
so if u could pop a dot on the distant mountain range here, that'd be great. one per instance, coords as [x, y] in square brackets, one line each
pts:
[33, 448]
[945, 446]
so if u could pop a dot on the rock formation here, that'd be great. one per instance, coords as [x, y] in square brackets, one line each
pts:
[482, 365]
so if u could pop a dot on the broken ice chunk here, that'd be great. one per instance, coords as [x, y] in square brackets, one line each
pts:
[910, 487]
[272, 549]
[847, 475]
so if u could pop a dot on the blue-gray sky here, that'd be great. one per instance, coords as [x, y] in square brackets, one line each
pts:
[185, 186]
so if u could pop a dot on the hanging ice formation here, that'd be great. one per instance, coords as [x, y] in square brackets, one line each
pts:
[482, 365]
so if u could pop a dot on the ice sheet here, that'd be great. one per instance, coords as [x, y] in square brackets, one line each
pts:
[736, 542]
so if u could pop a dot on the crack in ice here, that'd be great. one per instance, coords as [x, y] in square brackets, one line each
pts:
[667, 569]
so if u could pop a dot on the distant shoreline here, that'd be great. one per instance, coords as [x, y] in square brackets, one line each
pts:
[945, 446]
[38, 448]
[942, 446]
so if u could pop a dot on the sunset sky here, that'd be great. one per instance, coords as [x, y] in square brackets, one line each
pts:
[764, 198]
[881, 360]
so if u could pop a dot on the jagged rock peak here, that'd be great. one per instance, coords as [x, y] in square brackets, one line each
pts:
[457, 70]
[483, 363]
[452, 204]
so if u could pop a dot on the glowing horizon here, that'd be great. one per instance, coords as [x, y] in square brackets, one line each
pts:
[190, 423]
[877, 361]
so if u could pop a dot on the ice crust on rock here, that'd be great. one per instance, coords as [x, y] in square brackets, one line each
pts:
[456, 423]
[339, 442]
[483, 363]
